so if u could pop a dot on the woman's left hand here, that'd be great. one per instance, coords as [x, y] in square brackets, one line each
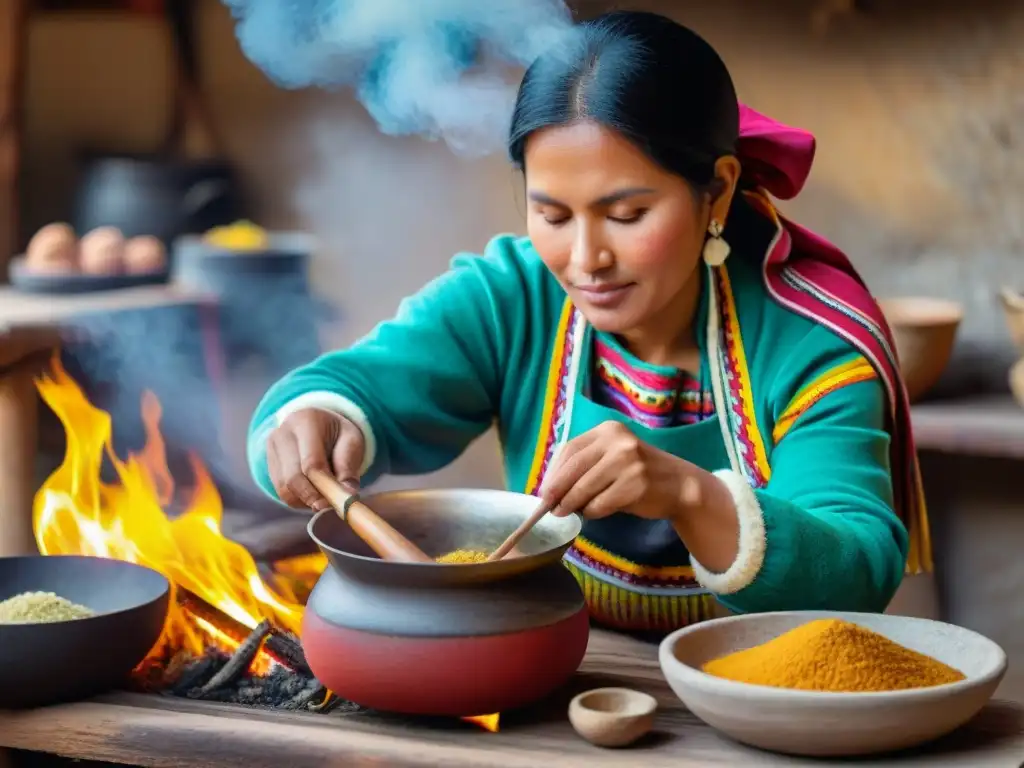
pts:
[609, 469]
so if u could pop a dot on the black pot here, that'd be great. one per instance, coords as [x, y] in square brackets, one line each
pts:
[155, 195]
[266, 308]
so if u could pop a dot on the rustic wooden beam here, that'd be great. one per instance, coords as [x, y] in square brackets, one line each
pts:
[13, 20]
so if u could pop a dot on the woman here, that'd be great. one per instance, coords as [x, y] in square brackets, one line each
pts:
[711, 386]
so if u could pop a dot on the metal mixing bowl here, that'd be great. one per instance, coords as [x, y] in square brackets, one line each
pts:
[43, 664]
[439, 521]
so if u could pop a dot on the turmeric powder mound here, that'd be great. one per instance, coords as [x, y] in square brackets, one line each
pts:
[463, 556]
[834, 656]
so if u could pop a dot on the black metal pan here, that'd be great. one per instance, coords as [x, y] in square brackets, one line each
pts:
[43, 664]
[63, 283]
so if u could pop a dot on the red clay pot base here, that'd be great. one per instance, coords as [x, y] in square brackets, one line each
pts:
[447, 676]
[446, 640]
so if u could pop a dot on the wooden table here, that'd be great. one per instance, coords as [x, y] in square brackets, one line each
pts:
[165, 732]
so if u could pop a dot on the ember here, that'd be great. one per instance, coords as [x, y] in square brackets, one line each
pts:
[232, 633]
[228, 677]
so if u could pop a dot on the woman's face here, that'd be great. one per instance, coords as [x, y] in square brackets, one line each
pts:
[623, 236]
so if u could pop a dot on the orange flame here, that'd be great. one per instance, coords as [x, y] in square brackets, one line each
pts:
[487, 722]
[76, 513]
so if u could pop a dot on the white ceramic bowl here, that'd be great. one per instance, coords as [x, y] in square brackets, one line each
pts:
[831, 724]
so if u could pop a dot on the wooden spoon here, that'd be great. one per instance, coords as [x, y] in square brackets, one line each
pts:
[381, 537]
[524, 528]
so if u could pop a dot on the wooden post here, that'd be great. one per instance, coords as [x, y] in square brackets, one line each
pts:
[19, 435]
[23, 352]
[13, 18]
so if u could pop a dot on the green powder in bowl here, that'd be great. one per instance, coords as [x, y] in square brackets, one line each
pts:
[40, 608]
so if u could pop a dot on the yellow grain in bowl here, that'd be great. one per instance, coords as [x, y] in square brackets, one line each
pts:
[463, 557]
[833, 656]
[41, 608]
[239, 236]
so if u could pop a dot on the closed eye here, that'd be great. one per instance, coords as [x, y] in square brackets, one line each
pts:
[631, 219]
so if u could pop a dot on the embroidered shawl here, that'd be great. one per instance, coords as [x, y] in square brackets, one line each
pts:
[811, 276]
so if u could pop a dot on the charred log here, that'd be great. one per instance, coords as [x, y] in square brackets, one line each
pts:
[239, 662]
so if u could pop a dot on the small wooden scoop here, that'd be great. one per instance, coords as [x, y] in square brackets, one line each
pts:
[371, 528]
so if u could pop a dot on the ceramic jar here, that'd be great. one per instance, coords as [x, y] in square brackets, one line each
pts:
[451, 640]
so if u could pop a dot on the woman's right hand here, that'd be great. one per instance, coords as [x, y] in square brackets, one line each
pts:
[313, 439]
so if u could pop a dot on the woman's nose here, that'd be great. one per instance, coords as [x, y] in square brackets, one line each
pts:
[589, 253]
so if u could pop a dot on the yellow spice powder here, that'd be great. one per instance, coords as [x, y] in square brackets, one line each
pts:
[833, 656]
[40, 608]
[463, 556]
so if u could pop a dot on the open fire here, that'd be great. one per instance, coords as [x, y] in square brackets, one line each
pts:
[232, 633]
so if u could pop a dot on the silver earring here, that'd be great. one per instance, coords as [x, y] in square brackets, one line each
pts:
[716, 250]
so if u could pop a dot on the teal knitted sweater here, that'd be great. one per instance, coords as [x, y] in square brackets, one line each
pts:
[800, 440]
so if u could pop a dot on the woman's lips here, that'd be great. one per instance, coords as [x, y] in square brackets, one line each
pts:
[605, 296]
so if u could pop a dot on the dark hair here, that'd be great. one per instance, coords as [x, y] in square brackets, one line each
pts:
[659, 84]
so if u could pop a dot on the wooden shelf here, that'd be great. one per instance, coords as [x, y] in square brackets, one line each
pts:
[985, 425]
[18, 308]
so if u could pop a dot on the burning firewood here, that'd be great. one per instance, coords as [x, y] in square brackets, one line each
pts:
[261, 667]
[279, 646]
[287, 650]
[239, 662]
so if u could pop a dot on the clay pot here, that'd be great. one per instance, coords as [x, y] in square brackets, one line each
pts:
[446, 640]
[925, 331]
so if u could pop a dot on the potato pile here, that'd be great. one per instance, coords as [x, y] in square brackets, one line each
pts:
[56, 250]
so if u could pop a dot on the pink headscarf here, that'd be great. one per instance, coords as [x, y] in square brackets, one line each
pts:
[776, 156]
[812, 277]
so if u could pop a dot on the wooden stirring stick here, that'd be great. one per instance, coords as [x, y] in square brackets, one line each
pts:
[524, 528]
[371, 528]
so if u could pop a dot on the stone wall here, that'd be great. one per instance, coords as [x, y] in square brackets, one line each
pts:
[918, 110]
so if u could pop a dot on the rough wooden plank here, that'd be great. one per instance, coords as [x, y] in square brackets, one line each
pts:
[163, 732]
[981, 426]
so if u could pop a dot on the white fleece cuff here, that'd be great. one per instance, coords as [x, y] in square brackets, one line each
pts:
[752, 540]
[341, 405]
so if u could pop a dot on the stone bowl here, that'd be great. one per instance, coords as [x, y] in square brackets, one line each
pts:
[1013, 312]
[612, 717]
[831, 724]
[1017, 381]
[924, 330]
[52, 663]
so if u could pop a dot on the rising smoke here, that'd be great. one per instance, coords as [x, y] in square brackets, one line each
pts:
[435, 68]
